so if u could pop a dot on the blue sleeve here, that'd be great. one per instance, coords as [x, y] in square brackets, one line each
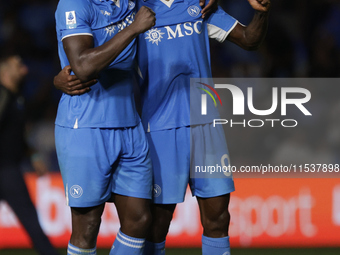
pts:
[73, 17]
[220, 24]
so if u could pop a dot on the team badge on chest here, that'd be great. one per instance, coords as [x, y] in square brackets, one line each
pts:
[194, 11]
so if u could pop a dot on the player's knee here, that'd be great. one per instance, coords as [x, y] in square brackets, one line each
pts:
[161, 223]
[144, 220]
[217, 224]
[85, 234]
[138, 221]
[162, 215]
[92, 226]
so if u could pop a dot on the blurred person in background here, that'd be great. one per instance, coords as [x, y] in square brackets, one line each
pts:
[13, 149]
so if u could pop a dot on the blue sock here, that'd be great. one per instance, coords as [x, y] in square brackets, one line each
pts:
[125, 244]
[71, 250]
[215, 246]
[154, 248]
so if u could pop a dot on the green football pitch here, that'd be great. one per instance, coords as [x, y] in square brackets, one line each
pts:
[314, 251]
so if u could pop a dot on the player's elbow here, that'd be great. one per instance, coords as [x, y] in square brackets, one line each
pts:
[84, 73]
[251, 42]
[252, 46]
[83, 77]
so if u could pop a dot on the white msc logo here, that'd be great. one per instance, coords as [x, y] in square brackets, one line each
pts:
[110, 29]
[154, 35]
[226, 253]
[194, 11]
[105, 13]
[76, 191]
[183, 29]
[120, 25]
[156, 190]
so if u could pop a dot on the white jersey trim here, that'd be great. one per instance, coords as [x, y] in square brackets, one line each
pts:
[117, 2]
[76, 34]
[218, 33]
[139, 72]
[168, 2]
[66, 193]
[130, 240]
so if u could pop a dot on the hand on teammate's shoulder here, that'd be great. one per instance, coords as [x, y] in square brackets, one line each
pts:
[210, 7]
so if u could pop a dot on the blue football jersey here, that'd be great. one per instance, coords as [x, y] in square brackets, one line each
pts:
[110, 103]
[169, 54]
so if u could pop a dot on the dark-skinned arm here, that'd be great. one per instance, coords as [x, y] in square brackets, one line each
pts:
[210, 7]
[87, 61]
[250, 37]
[70, 84]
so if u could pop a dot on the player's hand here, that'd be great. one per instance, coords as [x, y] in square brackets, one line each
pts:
[144, 20]
[260, 5]
[210, 7]
[70, 84]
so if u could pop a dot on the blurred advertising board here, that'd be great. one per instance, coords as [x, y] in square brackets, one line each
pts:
[265, 212]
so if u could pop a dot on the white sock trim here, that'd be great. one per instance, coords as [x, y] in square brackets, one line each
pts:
[130, 240]
[130, 245]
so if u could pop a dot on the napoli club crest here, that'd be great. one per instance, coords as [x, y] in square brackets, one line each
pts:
[156, 190]
[193, 10]
[76, 191]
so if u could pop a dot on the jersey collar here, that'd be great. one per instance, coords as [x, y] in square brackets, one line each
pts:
[167, 3]
[116, 2]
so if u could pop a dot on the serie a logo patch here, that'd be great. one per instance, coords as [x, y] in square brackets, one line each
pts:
[71, 21]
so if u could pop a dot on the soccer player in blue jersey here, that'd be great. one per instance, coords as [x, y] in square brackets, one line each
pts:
[173, 51]
[101, 145]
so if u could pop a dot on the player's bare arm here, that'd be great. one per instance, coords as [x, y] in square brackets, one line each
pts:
[70, 84]
[87, 61]
[250, 37]
[210, 7]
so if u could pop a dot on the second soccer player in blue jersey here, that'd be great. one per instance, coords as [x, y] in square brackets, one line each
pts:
[169, 54]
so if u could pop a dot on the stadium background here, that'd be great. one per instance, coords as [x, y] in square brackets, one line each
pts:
[287, 215]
